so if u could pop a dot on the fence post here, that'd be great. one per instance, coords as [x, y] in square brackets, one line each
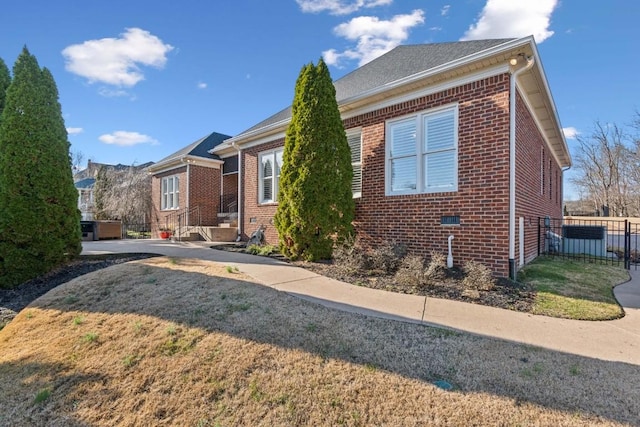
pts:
[627, 244]
[539, 236]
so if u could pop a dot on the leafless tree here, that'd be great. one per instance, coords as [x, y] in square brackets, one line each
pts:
[607, 170]
[77, 157]
[123, 193]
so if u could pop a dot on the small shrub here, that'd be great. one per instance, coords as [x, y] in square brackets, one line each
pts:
[437, 267]
[349, 257]
[388, 256]
[263, 250]
[477, 277]
[411, 271]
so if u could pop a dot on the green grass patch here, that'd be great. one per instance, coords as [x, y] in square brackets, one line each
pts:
[90, 337]
[263, 250]
[42, 395]
[574, 290]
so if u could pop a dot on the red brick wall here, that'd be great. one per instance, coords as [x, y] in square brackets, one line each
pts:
[230, 183]
[254, 214]
[159, 216]
[205, 190]
[483, 176]
[482, 198]
[533, 199]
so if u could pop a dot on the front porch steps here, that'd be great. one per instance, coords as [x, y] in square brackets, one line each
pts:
[221, 233]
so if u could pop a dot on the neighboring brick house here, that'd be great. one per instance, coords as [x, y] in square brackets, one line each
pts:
[457, 139]
[188, 191]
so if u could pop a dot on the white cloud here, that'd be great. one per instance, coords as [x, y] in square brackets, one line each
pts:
[202, 85]
[445, 10]
[117, 61]
[126, 139]
[74, 131]
[570, 132]
[374, 36]
[509, 18]
[112, 93]
[339, 7]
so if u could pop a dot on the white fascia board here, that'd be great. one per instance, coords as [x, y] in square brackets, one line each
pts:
[244, 138]
[503, 48]
[552, 104]
[179, 162]
[429, 90]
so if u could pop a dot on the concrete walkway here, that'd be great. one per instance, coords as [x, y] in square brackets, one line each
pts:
[615, 340]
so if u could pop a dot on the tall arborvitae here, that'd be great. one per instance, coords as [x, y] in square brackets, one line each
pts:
[5, 80]
[315, 202]
[39, 219]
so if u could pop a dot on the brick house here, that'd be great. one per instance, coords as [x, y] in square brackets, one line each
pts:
[194, 194]
[457, 139]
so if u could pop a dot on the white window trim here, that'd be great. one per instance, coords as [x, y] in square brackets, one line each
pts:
[275, 178]
[164, 196]
[419, 153]
[352, 132]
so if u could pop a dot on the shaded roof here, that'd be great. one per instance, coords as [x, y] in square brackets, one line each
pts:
[199, 148]
[397, 64]
[85, 183]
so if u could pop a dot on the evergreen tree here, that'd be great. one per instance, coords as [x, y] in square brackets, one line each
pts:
[5, 80]
[39, 218]
[315, 203]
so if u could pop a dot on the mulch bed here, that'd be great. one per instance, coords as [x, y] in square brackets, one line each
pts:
[14, 300]
[506, 294]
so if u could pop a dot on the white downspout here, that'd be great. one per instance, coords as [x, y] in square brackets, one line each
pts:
[512, 163]
[239, 238]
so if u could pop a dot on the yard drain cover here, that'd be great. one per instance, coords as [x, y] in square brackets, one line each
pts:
[443, 384]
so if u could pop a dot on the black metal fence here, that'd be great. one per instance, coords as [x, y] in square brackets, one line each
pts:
[606, 241]
[136, 231]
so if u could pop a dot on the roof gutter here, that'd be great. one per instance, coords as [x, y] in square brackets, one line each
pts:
[235, 145]
[512, 161]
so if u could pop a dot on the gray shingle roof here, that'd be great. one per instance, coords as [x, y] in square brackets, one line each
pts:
[85, 183]
[199, 148]
[398, 63]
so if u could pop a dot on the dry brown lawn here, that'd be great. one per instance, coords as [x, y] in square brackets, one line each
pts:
[185, 342]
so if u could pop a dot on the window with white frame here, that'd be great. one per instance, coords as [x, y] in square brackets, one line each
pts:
[354, 138]
[270, 165]
[422, 152]
[170, 192]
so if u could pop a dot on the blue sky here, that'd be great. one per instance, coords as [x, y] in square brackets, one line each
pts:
[141, 79]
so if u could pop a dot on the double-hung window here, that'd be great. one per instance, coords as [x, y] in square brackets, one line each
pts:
[422, 152]
[170, 192]
[270, 163]
[354, 138]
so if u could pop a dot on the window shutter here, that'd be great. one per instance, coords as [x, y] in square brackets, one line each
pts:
[439, 132]
[403, 138]
[441, 171]
[267, 179]
[440, 155]
[355, 146]
[403, 156]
